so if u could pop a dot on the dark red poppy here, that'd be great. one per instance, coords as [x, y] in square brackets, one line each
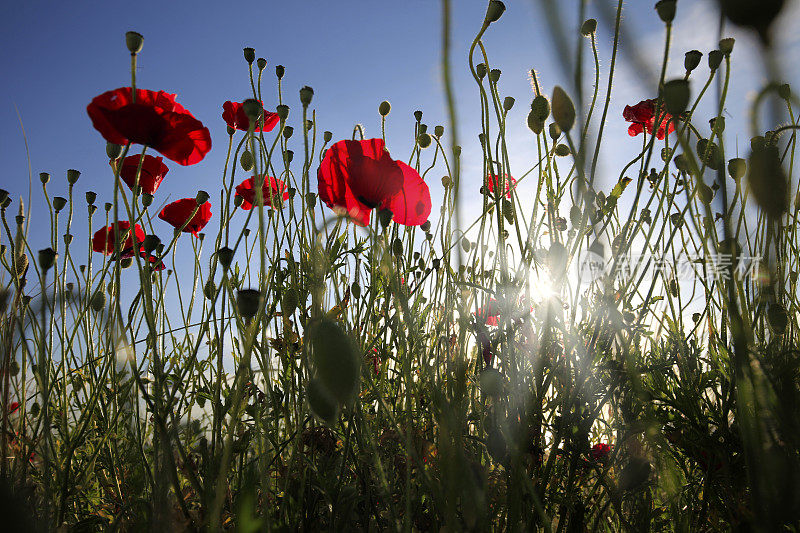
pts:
[642, 117]
[156, 262]
[155, 120]
[103, 239]
[12, 408]
[153, 172]
[503, 182]
[355, 177]
[233, 114]
[489, 313]
[273, 191]
[600, 451]
[178, 212]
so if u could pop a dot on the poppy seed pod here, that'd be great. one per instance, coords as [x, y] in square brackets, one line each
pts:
[306, 94]
[98, 301]
[424, 140]
[423, 128]
[44, 177]
[418, 115]
[247, 302]
[92, 209]
[311, 200]
[134, 41]
[438, 131]
[282, 111]
[91, 196]
[225, 256]
[327, 136]
[426, 226]
[202, 197]
[47, 258]
[288, 131]
[384, 217]
[72, 176]
[384, 108]
[692, 60]
[494, 75]
[508, 103]
[150, 243]
[279, 71]
[59, 202]
[3, 195]
[147, 199]
[237, 200]
[480, 70]
[588, 27]
[726, 45]
[756, 15]
[113, 151]
[261, 63]
[666, 10]
[288, 155]
[715, 58]
[563, 109]
[675, 94]
[253, 109]
[494, 11]
[249, 55]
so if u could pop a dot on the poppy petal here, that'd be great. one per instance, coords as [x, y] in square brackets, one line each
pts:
[411, 206]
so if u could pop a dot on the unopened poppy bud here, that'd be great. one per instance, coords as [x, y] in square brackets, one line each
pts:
[91, 196]
[438, 131]
[726, 45]
[384, 217]
[589, 27]
[397, 246]
[554, 130]
[384, 108]
[150, 243]
[562, 150]
[202, 197]
[59, 202]
[283, 111]
[675, 94]
[737, 168]
[785, 91]
[288, 131]
[44, 177]
[494, 11]
[508, 103]
[47, 258]
[147, 199]
[248, 301]
[210, 289]
[261, 63]
[494, 75]
[237, 200]
[666, 10]
[249, 55]
[134, 41]
[535, 125]
[279, 71]
[425, 226]
[424, 140]
[72, 176]
[98, 300]
[252, 108]
[327, 136]
[246, 160]
[715, 58]
[113, 151]
[563, 109]
[418, 115]
[225, 256]
[306, 94]
[311, 200]
[692, 60]
[717, 125]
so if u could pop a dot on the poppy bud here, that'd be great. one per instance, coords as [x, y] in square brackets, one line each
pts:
[288, 155]
[282, 111]
[248, 301]
[714, 59]
[508, 103]
[562, 150]
[47, 258]
[424, 140]
[249, 55]
[113, 151]
[480, 70]
[563, 109]
[287, 131]
[98, 300]
[327, 136]
[756, 15]
[5, 202]
[418, 115]
[58, 203]
[321, 402]
[225, 256]
[201, 198]
[44, 177]
[666, 10]
[717, 125]
[210, 289]
[554, 130]
[306, 94]
[230, 131]
[494, 11]
[535, 125]
[494, 75]
[785, 91]
[72, 176]
[737, 168]
[692, 60]
[423, 128]
[253, 109]
[589, 27]
[425, 226]
[92, 209]
[384, 217]
[675, 94]
[384, 108]
[438, 131]
[147, 199]
[311, 200]
[446, 181]
[134, 41]
[397, 247]
[237, 200]
[279, 71]
[261, 63]
[247, 161]
[726, 45]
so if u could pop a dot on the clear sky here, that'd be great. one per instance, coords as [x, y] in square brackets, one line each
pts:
[56, 56]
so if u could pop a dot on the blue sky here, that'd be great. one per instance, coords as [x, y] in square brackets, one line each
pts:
[57, 56]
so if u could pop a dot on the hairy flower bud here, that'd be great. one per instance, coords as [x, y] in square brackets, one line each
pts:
[563, 109]
[588, 27]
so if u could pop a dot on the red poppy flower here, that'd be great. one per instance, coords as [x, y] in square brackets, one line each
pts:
[600, 451]
[489, 313]
[178, 212]
[355, 177]
[103, 239]
[272, 190]
[642, 117]
[503, 182]
[12, 408]
[153, 172]
[233, 114]
[155, 120]
[156, 262]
